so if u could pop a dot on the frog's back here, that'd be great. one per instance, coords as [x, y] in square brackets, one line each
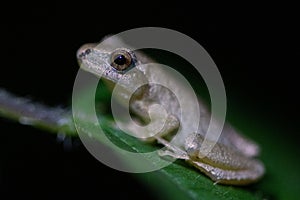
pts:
[171, 90]
[179, 100]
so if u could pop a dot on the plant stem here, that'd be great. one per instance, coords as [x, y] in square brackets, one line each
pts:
[27, 112]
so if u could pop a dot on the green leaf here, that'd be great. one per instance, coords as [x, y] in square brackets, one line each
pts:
[176, 181]
[179, 180]
[280, 154]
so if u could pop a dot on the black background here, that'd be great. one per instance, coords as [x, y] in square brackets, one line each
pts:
[255, 47]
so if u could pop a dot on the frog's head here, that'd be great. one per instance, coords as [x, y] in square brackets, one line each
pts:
[113, 60]
[111, 65]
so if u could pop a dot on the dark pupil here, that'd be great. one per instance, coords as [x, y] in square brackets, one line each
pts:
[120, 60]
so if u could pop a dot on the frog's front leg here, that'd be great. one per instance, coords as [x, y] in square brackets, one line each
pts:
[141, 109]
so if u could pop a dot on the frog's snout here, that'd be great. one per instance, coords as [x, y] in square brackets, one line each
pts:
[84, 50]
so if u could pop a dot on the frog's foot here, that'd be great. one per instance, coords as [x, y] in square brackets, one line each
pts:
[172, 154]
[171, 150]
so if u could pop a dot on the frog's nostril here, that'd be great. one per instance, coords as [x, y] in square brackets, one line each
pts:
[87, 51]
[84, 50]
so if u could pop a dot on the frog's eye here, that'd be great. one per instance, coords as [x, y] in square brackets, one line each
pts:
[121, 60]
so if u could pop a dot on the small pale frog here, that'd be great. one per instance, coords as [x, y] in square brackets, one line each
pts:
[231, 160]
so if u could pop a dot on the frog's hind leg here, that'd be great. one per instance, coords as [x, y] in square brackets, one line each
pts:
[241, 143]
[230, 176]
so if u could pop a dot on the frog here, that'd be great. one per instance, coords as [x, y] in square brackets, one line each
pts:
[231, 161]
